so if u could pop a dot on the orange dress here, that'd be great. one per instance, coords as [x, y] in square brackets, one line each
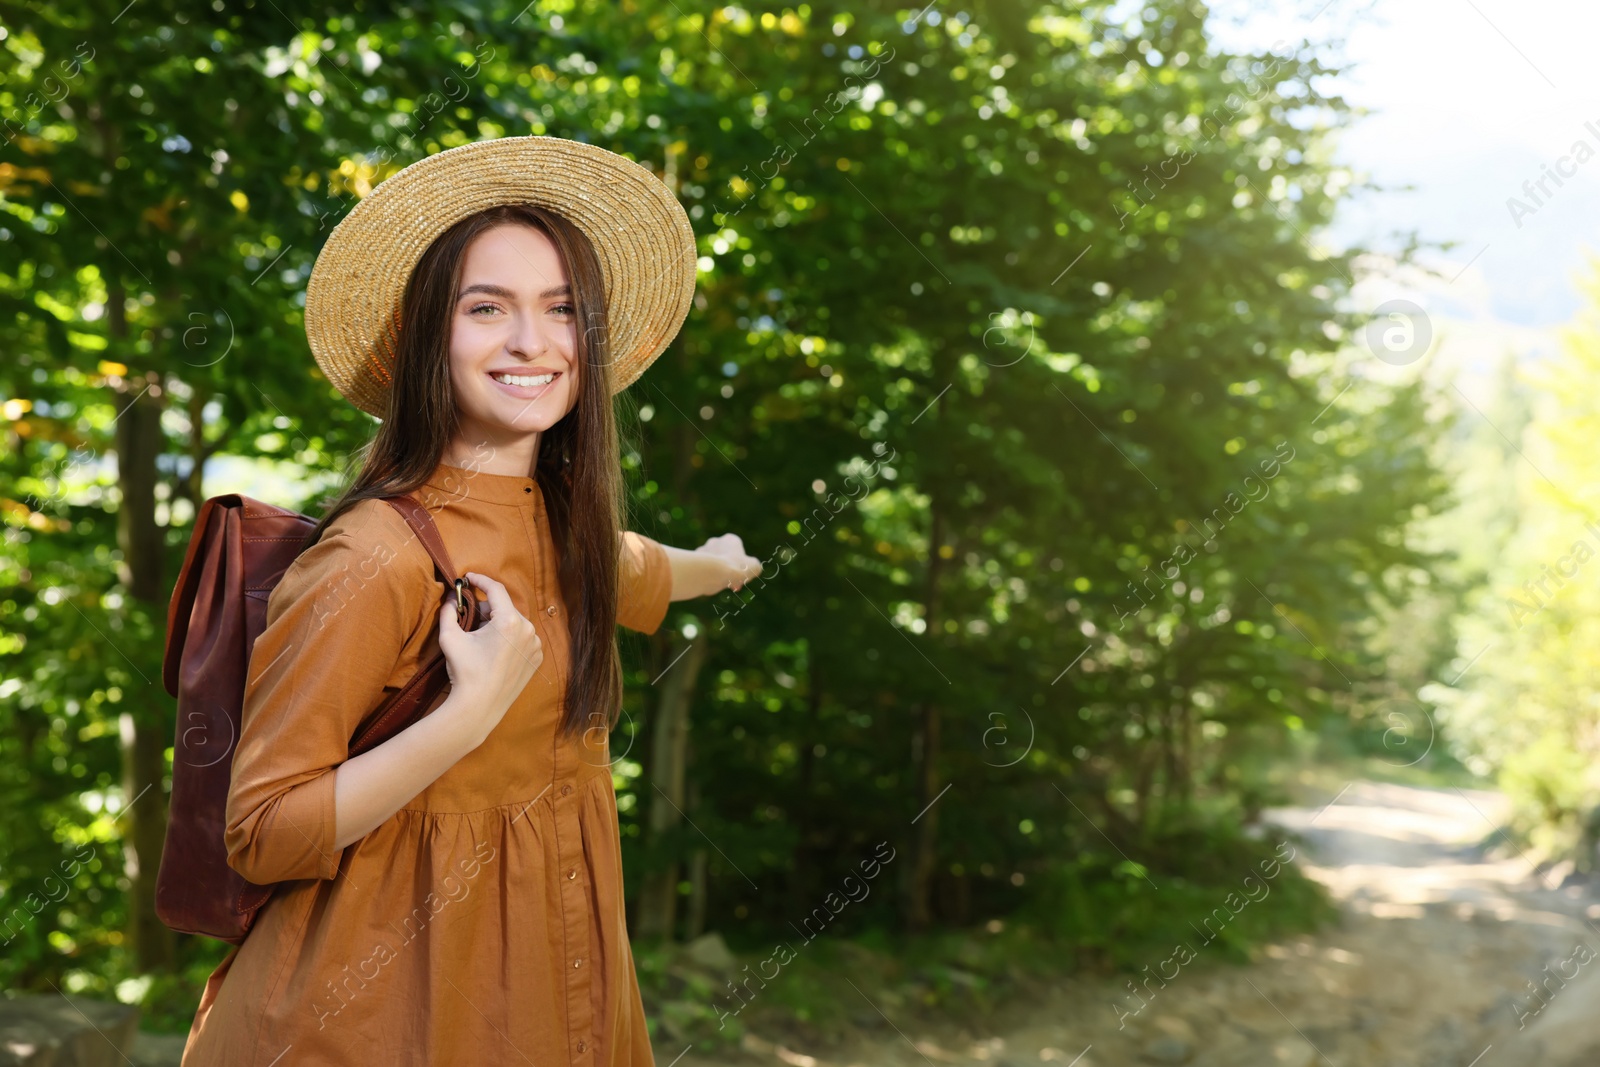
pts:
[483, 922]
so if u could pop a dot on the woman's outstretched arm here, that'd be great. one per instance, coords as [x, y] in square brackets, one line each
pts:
[720, 563]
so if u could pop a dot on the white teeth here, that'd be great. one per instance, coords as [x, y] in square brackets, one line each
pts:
[524, 379]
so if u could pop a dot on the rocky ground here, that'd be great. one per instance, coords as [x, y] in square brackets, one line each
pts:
[1433, 965]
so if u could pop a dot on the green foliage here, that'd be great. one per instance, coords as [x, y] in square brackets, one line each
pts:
[1008, 352]
[1526, 710]
[1088, 914]
[1214, 898]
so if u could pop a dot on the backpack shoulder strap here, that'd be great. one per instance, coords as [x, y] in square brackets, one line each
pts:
[421, 523]
[414, 700]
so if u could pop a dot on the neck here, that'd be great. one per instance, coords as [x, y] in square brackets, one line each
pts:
[515, 456]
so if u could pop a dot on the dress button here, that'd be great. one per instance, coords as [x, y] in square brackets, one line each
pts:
[572, 874]
[582, 1046]
[577, 963]
[566, 789]
[551, 610]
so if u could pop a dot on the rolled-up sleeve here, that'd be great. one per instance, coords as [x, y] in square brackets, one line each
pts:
[338, 623]
[644, 583]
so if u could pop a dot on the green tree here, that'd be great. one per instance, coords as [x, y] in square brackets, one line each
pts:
[1009, 355]
[1526, 710]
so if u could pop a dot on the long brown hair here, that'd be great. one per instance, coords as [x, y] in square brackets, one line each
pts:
[578, 468]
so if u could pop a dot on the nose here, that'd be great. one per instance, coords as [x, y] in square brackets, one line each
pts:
[527, 340]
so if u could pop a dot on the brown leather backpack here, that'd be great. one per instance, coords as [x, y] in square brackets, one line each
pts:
[238, 551]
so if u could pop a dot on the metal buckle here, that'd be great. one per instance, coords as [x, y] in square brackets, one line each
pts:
[461, 598]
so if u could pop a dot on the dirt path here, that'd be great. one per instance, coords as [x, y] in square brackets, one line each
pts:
[1432, 966]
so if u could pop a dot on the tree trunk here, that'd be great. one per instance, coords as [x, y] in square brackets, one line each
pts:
[146, 729]
[695, 922]
[1144, 757]
[1172, 754]
[800, 872]
[924, 850]
[658, 897]
[925, 753]
[1185, 759]
[195, 484]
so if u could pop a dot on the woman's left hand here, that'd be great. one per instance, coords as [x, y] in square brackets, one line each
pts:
[728, 549]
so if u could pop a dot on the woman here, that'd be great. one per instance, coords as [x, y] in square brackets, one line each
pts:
[454, 895]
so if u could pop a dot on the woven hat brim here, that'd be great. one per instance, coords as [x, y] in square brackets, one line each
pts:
[640, 234]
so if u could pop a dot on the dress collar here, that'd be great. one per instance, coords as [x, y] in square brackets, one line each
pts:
[450, 484]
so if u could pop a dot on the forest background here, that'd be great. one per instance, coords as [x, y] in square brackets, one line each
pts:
[1091, 494]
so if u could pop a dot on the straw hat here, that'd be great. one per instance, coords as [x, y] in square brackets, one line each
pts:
[639, 231]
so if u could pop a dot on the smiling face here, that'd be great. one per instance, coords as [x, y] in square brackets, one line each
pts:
[513, 342]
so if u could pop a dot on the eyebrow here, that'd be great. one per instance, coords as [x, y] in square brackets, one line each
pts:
[506, 294]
